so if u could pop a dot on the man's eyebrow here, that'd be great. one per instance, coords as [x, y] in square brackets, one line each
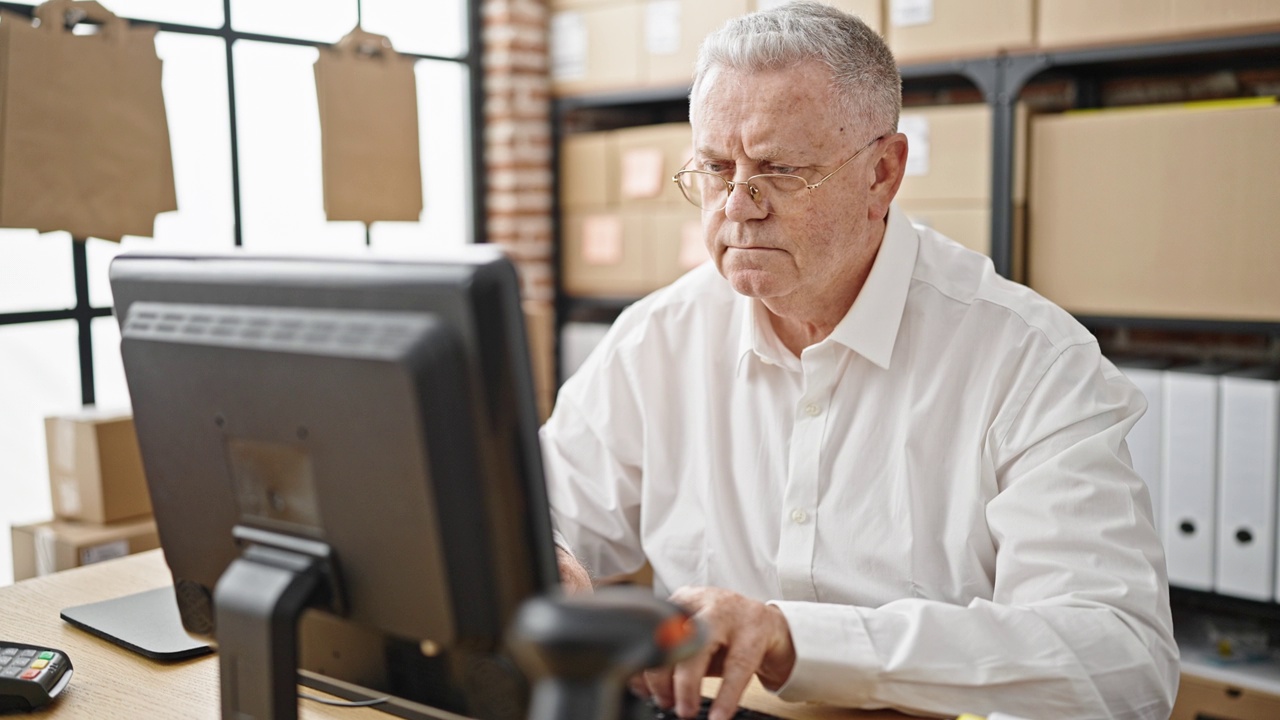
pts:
[767, 155]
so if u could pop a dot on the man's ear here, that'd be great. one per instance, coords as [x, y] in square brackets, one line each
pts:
[890, 166]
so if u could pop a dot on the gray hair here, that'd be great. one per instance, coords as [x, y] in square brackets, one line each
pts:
[864, 77]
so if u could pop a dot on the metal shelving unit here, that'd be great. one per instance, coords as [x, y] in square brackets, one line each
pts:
[1001, 80]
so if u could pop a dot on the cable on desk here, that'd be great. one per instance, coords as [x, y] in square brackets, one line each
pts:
[344, 703]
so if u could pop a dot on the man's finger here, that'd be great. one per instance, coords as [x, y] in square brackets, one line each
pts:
[687, 681]
[660, 686]
[740, 664]
[639, 687]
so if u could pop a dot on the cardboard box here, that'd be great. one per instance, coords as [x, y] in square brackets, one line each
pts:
[970, 225]
[1193, 17]
[673, 31]
[596, 48]
[630, 252]
[1158, 212]
[588, 171]
[647, 157]
[95, 467]
[678, 244]
[949, 153]
[1204, 698]
[1066, 23]
[578, 4]
[540, 328]
[603, 253]
[43, 548]
[938, 30]
[870, 11]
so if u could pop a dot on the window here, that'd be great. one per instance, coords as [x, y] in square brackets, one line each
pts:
[240, 98]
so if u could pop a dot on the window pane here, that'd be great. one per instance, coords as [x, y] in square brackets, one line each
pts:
[444, 139]
[205, 13]
[428, 28]
[195, 98]
[324, 20]
[109, 387]
[39, 376]
[36, 272]
[281, 194]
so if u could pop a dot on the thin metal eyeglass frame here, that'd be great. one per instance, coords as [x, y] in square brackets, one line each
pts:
[732, 185]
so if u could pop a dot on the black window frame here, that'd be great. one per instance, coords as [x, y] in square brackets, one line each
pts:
[84, 312]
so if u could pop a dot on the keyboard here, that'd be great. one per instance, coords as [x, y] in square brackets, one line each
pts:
[646, 710]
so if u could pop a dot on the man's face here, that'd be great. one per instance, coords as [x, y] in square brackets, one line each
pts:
[784, 121]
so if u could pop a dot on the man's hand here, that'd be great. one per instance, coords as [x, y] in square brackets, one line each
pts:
[744, 638]
[574, 578]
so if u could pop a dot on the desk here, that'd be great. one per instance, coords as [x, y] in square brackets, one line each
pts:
[112, 683]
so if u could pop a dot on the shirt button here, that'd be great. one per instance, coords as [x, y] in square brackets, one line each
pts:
[799, 517]
[812, 409]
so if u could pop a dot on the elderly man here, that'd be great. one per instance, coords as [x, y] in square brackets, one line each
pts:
[884, 475]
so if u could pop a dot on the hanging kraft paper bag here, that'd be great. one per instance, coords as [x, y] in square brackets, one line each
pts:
[368, 102]
[84, 138]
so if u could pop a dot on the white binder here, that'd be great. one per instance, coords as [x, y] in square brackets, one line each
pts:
[1145, 445]
[1247, 476]
[1190, 441]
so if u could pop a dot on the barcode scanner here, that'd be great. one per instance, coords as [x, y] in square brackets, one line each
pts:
[582, 649]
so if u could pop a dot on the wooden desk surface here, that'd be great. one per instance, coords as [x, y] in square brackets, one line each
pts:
[112, 683]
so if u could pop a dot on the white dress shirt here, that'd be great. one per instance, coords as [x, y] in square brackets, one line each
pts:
[938, 496]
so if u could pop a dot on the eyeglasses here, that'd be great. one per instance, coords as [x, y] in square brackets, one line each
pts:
[785, 194]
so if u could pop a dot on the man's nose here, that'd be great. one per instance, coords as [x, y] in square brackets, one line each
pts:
[742, 204]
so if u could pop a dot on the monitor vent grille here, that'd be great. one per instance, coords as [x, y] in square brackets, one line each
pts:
[343, 332]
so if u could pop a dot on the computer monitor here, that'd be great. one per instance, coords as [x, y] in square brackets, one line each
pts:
[349, 439]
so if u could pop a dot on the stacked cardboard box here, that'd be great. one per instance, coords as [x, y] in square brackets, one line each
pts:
[948, 178]
[100, 501]
[1162, 211]
[600, 45]
[1067, 23]
[940, 30]
[626, 228]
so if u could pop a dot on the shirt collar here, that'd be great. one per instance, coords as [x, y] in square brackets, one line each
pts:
[870, 328]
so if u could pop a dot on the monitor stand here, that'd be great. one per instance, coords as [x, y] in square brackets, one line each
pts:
[258, 603]
[147, 623]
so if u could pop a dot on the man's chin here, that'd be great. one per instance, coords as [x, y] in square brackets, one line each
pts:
[753, 282]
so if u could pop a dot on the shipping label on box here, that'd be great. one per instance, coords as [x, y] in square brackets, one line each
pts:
[568, 46]
[604, 253]
[905, 13]
[648, 157]
[48, 547]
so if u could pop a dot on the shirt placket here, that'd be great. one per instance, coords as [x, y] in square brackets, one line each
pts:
[799, 512]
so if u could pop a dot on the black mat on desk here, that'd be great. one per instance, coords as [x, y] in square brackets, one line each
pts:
[146, 623]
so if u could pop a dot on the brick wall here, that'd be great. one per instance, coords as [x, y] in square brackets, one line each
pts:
[517, 127]
[518, 138]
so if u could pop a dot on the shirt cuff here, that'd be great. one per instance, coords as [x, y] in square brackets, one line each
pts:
[835, 661]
